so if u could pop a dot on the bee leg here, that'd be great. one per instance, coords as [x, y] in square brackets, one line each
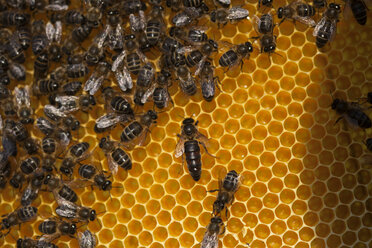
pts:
[339, 119]
[206, 150]
[281, 21]
[223, 231]
[213, 190]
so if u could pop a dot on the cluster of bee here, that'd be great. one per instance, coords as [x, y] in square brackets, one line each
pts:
[73, 72]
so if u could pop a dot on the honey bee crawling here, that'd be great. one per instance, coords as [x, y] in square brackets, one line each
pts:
[226, 191]
[215, 228]
[87, 239]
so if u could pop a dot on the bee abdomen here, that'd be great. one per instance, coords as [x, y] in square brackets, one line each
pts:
[229, 58]
[68, 194]
[305, 10]
[359, 11]
[160, 97]
[193, 58]
[87, 171]
[27, 213]
[131, 131]
[363, 120]
[134, 63]
[48, 227]
[193, 158]
[122, 158]
[153, 32]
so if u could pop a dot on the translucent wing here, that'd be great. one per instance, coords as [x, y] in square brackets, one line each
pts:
[64, 138]
[66, 211]
[224, 2]
[54, 111]
[237, 13]
[202, 138]
[101, 38]
[118, 61]
[127, 77]
[200, 66]
[209, 241]
[68, 103]
[137, 23]
[56, 7]
[185, 49]
[58, 32]
[26, 198]
[22, 96]
[50, 31]
[208, 88]
[44, 125]
[86, 239]
[49, 237]
[305, 20]
[319, 25]
[93, 84]
[180, 148]
[148, 93]
[108, 120]
[113, 166]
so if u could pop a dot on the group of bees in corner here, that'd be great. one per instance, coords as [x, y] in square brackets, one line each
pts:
[75, 51]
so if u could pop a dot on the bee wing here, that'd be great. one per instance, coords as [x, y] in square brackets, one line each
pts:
[49, 237]
[319, 25]
[87, 239]
[50, 31]
[180, 148]
[209, 240]
[200, 66]
[55, 111]
[108, 120]
[142, 57]
[101, 38]
[128, 78]
[305, 20]
[56, 7]
[237, 13]
[148, 93]
[22, 96]
[68, 103]
[208, 88]
[185, 49]
[58, 32]
[256, 23]
[202, 138]
[67, 211]
[93, 84]
[137, 23]
[332, 29]
[26, 196]
[223, 46]
[118, 61]
[64, 139]
[113, 166]
[181, 19]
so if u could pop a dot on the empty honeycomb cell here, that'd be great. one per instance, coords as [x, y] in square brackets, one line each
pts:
[154, 149]
[294, 109]
[306, 234]
[275, 185]
[236, 111]
[161, 175]
[340, 153]
[186, 182]
[254, 204]
[145, 238]
[263, 117]
[349, 238]
[232, 126]
[134, 227]
[357, 208]
[109, 220]
[331, 200]
[283, 154]
[353, 223]
[279, 113]
[343, 82]
[282, 211]
[294, 53]
[306, 64]
[342, 211]
[351, 165]
[311, 218]
[360, 192]
[349, 181]
[271, 87]
[364, 234]
[319, 188]
[152, 207]
[364, 177]
[224, 100]
[315, 203]
[287, 139]
[138, 211]
[299, 150]
[278, 227]
[290, 238]
[262, 231]
[128, 200]
[287, 196]
[322, 230]
[186, 240]
[259, 189]
[220, 115]
[283, 98]
[310, 105]
[239, 152]
[290, 68]
[338, 226]
[267, 102]
[321, 116]
[264, 174]
[271, 143]
[259, 132]
[327, 215]
[275, 73]
[255, 147]
[266, 216]
[105, 236]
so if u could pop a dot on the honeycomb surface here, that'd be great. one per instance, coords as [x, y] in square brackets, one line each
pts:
[303, 183]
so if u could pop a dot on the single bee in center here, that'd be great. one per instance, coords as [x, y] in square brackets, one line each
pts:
[190, 138]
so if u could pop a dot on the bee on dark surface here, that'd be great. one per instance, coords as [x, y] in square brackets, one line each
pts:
[87, 239]
[135, 132]
[215, 228]
[352, 112]
[144, 81]
[134, 57]
[24, 37]
[54, 113]
[54, 35]
[18, 131]
[13, 18]
[30, 145]
[50, 129]
[226, 190]
[186, 81]
[95, 81]
[71, 210]
[39, 39]
[115, 155]
[266, 3]
[325, 30]
[22, 100]
[95, 177]
[41, 65]
[199, 56]
[160, 95]
[76, 153]
[81, 33]
[12, 46]
[5, 171]
[16, 181]
[188, 144]
[123, 76]
[172, 59]
[49, 145]
[297, 11]
[61, 190]
[31, 243]
[155, 26]
[194, 35]
[77, 70]
[5, 93]
[208, 81]
[17, 217]
[264, 26]
[45, 87]
[359, 10]
[17, 72]
[29, 165]
[69, 104]
[93, 16]
[223, 16]
[70, 17]
[54, 228]
[32, 191]
[235, 55]
[95, 51]
[71, 88]
[189, 15]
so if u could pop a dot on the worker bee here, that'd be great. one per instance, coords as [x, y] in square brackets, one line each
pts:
[297, 11]
[41, 65]
[145, 79]
[188, 144]
[22, 99]
[62, 190]
[51, 130]
[54, 228]
[95, 81]
[24, 37]
[73, 211]
[57, 5]
[208, 81]
[226, 190]
[264, 26]
[194, 35]
[123, 76]
[45, 87]
[359, 10]
[81, 33]
[12, 46]
[214, 228]
[69, 104]
[170, 45]
[325, 30]
[189, 15]
[352, 112]
[235, 54]
[4, 66]
[18, 131]
[87, 239]
[160, 94]
[174, 5]
[137, 23]
[54, 35]
[13, 18]
[31, 243]
[16, 181]
[76, 153]
[17, 72]
[135, 132]
[37, 180]
[115, 155]
[155, 26]
[39, 39]
[187, 82]
[71, 88]
[95, 177]
[17, 217]
[223, 16]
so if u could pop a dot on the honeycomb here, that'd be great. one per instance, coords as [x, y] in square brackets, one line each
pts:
[303, 182]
